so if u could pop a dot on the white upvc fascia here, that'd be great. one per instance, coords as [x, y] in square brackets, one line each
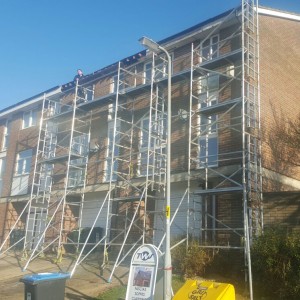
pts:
[198, 31]
[27, 103]
[279, 14]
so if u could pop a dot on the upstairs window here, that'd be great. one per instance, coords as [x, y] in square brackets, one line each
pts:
[208, 130]
[160, 69]
[6, 135]
[210, 48]
[29, 118]
[113, 137]
[147, 72]
[114, 83]
[152, 158]
[2, 173]
[24, 162]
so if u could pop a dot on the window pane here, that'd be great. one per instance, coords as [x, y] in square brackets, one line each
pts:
[213, 82]
[33, 117]
[26, 118]
[24, 162]
[148, 72]
[208, 153]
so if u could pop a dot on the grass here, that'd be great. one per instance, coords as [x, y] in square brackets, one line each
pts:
[119, 292]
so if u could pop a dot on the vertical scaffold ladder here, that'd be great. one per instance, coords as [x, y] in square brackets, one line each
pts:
[64, 138]
[155, 157]
[119, 160]
[252, 177]
[42, 181]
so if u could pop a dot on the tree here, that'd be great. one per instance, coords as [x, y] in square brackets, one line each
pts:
[286, 137]
[281, 143]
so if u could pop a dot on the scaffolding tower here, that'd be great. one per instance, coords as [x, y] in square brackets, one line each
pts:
[215, 116]
[224, 160]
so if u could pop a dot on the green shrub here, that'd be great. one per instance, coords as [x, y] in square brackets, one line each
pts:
[276, 264]
[228, 263]
[190, 261]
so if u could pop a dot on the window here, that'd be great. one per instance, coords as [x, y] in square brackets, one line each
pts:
[6, 135]
[29, 118]
[210, 48]
[76, 178]
[24, 162]
[153, 161]
[80, 144]
[46, 177]
[89, 93]
[161, 66]
[21, 177]
[54, 108]
[80, 147]
[114, 83]
[110, 170]
[2, 173]
[208, 135]
[147, 72]
[144, 141]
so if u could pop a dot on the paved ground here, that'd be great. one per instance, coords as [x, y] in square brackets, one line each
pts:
[86, 283]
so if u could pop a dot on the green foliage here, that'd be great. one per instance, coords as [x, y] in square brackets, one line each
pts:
[228, 263]
[190, 261]
[276, 264]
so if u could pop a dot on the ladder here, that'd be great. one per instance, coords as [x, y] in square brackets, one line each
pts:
[63, 141]
[137, 200]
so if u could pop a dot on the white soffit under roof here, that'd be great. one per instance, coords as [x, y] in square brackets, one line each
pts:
[278, 13]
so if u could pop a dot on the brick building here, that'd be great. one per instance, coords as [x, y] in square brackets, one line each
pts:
[97, 162]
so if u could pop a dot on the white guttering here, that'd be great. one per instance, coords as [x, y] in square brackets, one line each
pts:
[198, 31]
[29, 102]
[277, 13]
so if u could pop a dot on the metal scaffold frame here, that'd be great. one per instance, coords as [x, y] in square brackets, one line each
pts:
[209, 115]
[135, 176]
[151, 161]
[63, 140]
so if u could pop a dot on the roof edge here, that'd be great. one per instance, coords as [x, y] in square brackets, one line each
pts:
[278, 13]
[29, 101]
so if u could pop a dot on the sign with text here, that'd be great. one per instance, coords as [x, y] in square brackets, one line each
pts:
[142, 275]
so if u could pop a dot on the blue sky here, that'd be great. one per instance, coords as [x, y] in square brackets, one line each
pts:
[44, 42]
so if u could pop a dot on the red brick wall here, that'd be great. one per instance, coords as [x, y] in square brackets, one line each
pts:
[282, 209]
[279, 82]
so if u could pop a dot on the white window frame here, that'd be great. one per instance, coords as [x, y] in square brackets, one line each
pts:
[23, 165]
[148, 67]
[108, 162]
[114, 83]
[147, 72]
[6, 135]
[76, 178]
[2, 172]
[208, 142]
[144, 147]
[210, 48]
[29, 118]
[46, 178]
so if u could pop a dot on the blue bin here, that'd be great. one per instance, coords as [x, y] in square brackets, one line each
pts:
[45, 286]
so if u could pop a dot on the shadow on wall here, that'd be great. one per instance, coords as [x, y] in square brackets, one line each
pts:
[281, 144]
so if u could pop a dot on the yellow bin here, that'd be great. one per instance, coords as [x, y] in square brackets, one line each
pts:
[208, 290]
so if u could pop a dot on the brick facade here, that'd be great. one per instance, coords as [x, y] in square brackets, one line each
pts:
[279, 82]
[279, 72]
